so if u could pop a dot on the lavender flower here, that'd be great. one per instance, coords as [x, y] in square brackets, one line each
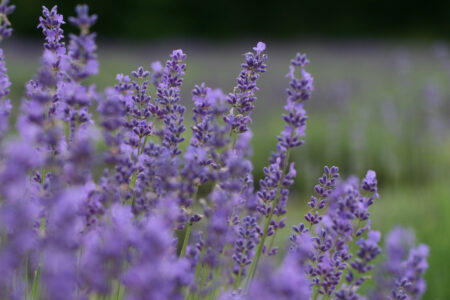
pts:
[168, 98]
[244, 245]
[169, 272]
[5, 104]
[54, 61]
[400, 276]
[5, 32]
[19, 211]
[288, 282]
[82, 48]
[368, 251]
[64, 223]
[274, 187]
[5, 10]
[243, 96]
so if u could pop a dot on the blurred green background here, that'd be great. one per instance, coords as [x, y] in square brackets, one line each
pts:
[382, 98]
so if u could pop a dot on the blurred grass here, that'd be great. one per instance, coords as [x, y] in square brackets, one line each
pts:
[376, 106]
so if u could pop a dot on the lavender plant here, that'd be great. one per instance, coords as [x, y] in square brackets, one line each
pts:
[163, 223]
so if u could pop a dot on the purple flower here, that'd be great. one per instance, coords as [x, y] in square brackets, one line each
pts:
[244, 246]
[83, 19]
[82, 48]
[5, 10]
[369, 183]
[300, 87]
[154, 251]
[287, 282]
[5, 104]
[50, 22]
[18, 213]
[260, 47]
[157, 73]
[400, 276]
[75, 100]
[167, 101]
[54, 63]
[243, 96]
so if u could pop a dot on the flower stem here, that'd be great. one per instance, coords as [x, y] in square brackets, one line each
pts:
[34, 288]
[26, 278]
[186, 239]
[238, 279]
[118, 291]
[254, 265]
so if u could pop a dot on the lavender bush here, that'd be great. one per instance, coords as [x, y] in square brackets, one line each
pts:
[163, 223]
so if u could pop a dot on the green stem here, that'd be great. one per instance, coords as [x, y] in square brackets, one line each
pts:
[218, 271]
[254, 265]
[133, 180]
[272, 240]
[198, 269]
[205, 273]
[118, 290]
[315, 293]
[186, 239]
[188, 228]
[34, 288]
[238, 279]
[144, 143]
[42, 176]
[139, 149]
[26, 278]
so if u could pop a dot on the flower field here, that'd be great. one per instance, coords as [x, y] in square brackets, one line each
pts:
[318, 176]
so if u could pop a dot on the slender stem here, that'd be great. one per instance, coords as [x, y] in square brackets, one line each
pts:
[241, 269]
[254, 265]
[34, 288]
[218, 270]
[118, 290]
[205, 273]
[43, 172]
[26, 277]
[238, 279]
[198, 268]
[139, 149]
[233, 145]
[188, 227]
[132, 186]
[315, 293]
[144, 144]
[272, 241]
[186, 239]
[263, 238]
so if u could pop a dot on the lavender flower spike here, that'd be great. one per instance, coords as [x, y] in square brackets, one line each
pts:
[82, 48]
[168, 98]
[280, 175]
[5, 31]
[5, 104]
[50, 22]
[243, 96]
[244, 246]
[5, 10]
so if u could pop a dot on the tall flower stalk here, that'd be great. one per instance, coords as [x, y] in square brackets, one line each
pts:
[274, 193]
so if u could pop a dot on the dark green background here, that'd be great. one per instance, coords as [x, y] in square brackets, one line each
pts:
[231, 19]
